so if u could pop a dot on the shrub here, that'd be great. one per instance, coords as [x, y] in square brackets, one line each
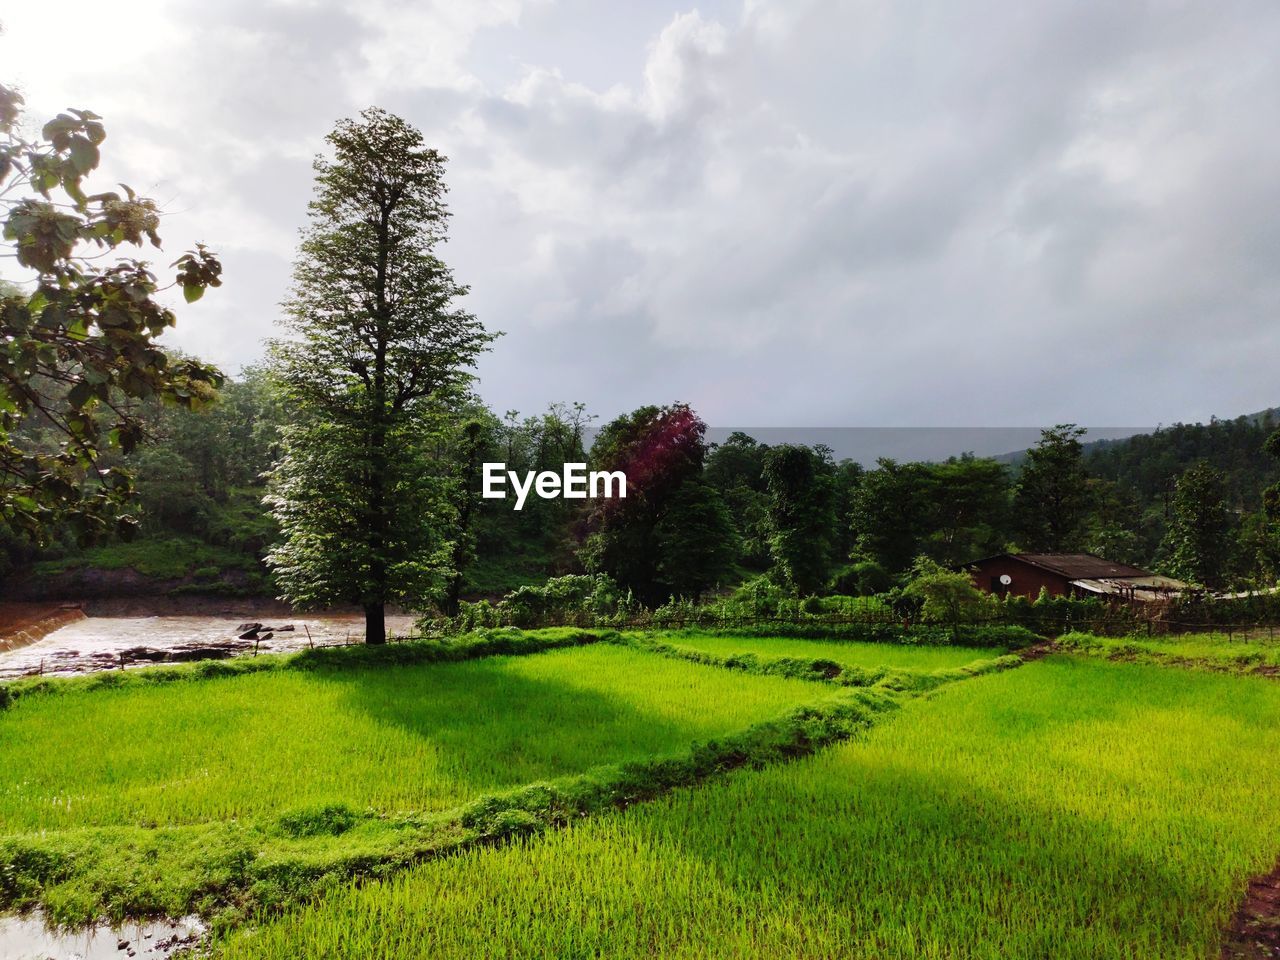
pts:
[946, 596]
[862, 579]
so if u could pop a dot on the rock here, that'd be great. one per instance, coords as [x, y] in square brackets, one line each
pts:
[122, 945]
[248, 628]
[199, 653]
[142, 653]
[250, 634]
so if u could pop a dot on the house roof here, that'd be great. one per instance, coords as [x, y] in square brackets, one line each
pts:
[1078, 566]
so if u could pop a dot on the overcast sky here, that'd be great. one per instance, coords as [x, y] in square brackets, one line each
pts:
[783, 212]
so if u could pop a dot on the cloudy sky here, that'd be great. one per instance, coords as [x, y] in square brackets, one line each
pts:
[785, 212]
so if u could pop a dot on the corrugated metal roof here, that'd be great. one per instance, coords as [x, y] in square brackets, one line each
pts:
[1140, 587]
[1081, 566]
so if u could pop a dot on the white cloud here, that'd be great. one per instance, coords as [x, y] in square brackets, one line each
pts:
[783, 212]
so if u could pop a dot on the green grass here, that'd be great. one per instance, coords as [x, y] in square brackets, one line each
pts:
[167, 558]
[409, 738]
[507, 571]
[1211, 650]
[852, 653]
[1067, 809]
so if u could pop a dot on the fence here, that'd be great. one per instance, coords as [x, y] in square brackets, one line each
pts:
[1110, 622]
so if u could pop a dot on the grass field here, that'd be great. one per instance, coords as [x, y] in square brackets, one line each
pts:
[395, 739]
[850, 653]
[1071, 808]
[1215, 650]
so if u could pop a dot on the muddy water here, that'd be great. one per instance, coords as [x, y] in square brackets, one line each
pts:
[28, 938]
[126, 642]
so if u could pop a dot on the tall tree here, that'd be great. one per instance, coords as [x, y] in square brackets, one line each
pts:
[697, 543]
[1198, 544]
[660, 449]
[801, 513]
[1051, 501]
[970, 503]
[378, 347]
[735, 469]
[78, 337]
[892, 513]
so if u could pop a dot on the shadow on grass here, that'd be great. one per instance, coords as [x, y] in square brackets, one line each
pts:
[396, 738]
[495, 727]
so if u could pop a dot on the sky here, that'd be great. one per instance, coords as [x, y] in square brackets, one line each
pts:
[783, 212]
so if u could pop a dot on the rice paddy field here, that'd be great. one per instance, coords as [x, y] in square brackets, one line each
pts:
[1075, 806]
[848, 652]
[1068, 808]
[395, 739]
[1213, 650]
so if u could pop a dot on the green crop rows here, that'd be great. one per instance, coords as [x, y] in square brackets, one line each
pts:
[907, 805]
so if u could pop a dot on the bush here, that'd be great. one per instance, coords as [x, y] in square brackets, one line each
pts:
[946, 596]
[577, 600]
[863, 579]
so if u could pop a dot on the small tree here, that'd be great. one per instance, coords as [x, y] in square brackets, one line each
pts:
[947, 596]
[78, 341]
[1199, 540]
[380, 347]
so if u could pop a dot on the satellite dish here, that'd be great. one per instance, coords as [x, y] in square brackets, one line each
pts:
[1005, 579]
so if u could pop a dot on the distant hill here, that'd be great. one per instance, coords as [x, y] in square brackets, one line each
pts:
[1149, 463]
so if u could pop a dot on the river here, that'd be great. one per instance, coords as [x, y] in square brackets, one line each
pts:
[94, 642]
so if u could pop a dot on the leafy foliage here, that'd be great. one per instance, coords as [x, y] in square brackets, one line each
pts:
[79, 347]
[1051, 499]
[639, 540]
[801, 516]
[946, 596]
[1198, 543]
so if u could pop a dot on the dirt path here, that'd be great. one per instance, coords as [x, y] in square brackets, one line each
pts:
[1254, 932]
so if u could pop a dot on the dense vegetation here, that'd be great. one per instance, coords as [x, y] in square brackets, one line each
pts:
[1086, 808]
[706, 521]
[868, 772]
[78, 340]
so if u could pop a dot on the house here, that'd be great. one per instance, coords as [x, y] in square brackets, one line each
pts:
[1068, 574]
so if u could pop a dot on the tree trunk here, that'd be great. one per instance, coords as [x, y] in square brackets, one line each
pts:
[375, 623]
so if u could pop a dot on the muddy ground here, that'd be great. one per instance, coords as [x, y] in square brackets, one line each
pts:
[121, 635]
[1254, 932]
[29, 938]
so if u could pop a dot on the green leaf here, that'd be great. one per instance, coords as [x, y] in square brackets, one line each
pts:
[192, 292]
[84, 154]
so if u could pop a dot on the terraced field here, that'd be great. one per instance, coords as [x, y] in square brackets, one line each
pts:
[1066, 809]
[597, 795]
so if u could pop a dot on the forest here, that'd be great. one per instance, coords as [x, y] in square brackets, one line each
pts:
[713, 518]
